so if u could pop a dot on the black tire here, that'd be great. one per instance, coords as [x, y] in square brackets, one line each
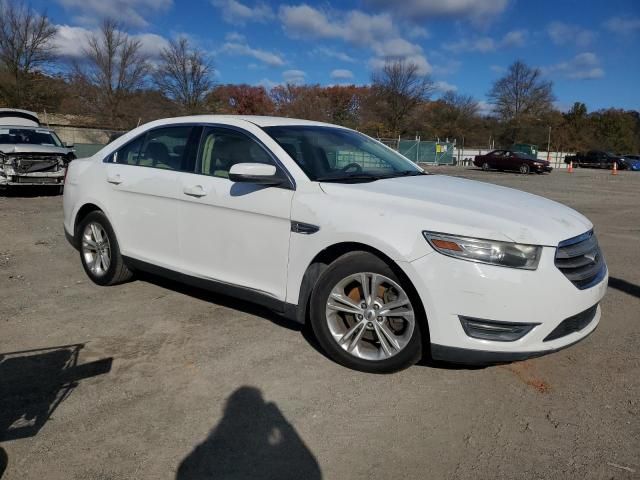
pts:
[524, 169]
[117, 272]
[349, 264]
[486, 167]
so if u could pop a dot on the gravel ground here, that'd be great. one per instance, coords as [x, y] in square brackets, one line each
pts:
[153, 380]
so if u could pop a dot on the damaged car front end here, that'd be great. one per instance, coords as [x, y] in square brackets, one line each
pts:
[33, 164]
[32, 168]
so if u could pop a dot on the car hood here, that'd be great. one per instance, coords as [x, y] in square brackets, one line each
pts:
[465, 207]
[27, 148]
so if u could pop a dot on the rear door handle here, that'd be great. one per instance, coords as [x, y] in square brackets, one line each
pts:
[114, 179]
[194, 191]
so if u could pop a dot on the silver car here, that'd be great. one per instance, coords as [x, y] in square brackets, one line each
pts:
[29, 153]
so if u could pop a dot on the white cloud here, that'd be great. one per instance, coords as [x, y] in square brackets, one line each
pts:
[418, 32]
[237, 48]
[268, 84]
[478, 11]
[341, 74]
[444, 87]
[295, 77]
[446, 67]
[328, 52]
[377, 32]
[565, 33]
[514, 38]
[585, 66]
[356, 27]
[234, 37]
[129, 12]
[151, 44]
[70, 42]
[623, 25]
[238, 13]
[484, 108]
[424, 68]
[497, 69]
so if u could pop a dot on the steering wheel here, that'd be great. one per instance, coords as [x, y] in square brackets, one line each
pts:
[356, 167]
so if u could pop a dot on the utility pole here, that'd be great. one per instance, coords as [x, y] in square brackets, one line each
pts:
[549, 144]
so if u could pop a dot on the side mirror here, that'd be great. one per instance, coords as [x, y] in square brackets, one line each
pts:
[257, 173]
[69, 144]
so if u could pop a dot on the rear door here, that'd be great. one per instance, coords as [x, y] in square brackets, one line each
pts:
[234, 233]
[145, 194]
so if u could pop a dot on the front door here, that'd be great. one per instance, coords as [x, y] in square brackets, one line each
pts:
[235, 233]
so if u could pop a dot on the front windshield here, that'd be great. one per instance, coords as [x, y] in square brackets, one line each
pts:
[28, 136]
[329, 154]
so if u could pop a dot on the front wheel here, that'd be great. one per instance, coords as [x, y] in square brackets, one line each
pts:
[99, 251]
[524, 169]
[364, 316]
[486, 167]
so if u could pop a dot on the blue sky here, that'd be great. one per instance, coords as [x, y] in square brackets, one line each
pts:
[589, 49]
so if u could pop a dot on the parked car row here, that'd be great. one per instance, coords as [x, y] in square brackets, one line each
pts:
[602, 159]
[512, 160]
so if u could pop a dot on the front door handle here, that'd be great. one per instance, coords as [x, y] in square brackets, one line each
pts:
[114, 179]
[194, 191]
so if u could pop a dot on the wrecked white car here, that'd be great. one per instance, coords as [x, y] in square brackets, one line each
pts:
[29, 153]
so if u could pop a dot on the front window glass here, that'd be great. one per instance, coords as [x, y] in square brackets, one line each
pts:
[27, 136]
[222, 148]
[336, 155]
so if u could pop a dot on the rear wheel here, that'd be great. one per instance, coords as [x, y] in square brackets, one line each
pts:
[99, 251]
[364, 317]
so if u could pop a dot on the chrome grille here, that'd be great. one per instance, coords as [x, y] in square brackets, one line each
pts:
[581, 260]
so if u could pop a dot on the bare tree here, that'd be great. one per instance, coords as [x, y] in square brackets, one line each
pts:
[520, 95]
[455, 115]
[26, 44]
[114, 67]
[397, 90]
[184, 75]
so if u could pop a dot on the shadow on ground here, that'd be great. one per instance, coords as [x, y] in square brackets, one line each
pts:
[252, 441]
[624, 286]
[33, 383]
[263, 312]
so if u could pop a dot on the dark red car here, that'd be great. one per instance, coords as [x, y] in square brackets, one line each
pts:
[510, 160]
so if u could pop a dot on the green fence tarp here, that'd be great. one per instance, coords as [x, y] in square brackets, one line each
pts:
[439, 153]
[84, 150]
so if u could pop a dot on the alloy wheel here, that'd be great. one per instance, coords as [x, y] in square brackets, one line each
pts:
[96, 249]
[370, 316]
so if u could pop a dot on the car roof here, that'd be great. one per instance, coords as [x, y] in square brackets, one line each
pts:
[259, 120]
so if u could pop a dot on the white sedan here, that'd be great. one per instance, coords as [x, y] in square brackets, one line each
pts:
[325, 225]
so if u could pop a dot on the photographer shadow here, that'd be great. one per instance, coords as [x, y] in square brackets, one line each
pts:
[252, 441]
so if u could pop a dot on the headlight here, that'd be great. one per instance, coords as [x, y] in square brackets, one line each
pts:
[493, 252]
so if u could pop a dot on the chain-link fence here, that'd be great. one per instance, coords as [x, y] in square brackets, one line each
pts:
[423, 151]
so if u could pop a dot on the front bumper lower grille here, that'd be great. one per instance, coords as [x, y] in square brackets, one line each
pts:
[580, 260]
[572, 324]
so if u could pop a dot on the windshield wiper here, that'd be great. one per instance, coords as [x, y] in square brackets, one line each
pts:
[354, 177]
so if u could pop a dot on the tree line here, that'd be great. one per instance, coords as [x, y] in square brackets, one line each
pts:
[115, 85]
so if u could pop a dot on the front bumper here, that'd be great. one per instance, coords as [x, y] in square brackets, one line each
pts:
[543, 168]
[40, 178]
[450, 288]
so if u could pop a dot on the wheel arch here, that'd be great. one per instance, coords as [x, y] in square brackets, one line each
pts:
[330, 254]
